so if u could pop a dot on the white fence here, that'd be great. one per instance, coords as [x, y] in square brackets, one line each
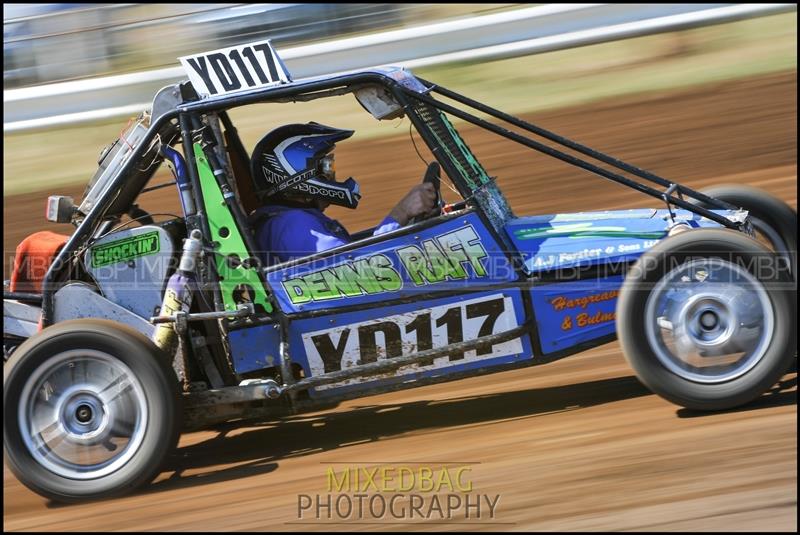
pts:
[511, 33]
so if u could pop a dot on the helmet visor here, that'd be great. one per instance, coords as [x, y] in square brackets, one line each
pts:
[326, 167]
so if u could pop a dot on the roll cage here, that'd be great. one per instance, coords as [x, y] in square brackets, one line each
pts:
[177, 116]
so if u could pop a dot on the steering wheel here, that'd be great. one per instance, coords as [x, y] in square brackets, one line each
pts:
[142, 216]
[432, 175]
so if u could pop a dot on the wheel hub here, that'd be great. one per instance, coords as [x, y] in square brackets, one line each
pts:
[707, 323]
[709, 320]
[84, 415]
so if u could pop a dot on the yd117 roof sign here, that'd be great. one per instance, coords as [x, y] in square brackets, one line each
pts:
[235, 69]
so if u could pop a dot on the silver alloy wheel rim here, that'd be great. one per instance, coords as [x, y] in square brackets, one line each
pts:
[82, 414]
[709, 321]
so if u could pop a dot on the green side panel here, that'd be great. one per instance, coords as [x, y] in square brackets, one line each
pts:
[232, 274]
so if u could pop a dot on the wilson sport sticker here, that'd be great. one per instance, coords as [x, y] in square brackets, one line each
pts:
[126, 249]
[234, 69]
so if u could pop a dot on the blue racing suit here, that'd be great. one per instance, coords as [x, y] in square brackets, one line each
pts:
[284, 233]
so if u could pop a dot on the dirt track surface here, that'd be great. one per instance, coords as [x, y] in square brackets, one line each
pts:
[574, 445]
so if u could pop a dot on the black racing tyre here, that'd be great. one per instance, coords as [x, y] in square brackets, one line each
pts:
[707, 320]
[774, 221]
[91, 410]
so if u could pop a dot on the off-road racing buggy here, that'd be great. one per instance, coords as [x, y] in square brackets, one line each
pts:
[136, 329]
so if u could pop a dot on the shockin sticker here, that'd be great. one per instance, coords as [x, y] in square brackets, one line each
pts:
[125, 249]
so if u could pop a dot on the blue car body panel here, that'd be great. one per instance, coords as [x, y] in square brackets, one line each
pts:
[339, 341]
[255, 348]
[449, 283]
[572, 313]
[457, 254]
[560, 241]
[575, 312]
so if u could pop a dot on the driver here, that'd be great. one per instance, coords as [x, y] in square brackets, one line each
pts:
[293, 174]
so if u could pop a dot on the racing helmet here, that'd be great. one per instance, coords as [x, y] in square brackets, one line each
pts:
[300, 152]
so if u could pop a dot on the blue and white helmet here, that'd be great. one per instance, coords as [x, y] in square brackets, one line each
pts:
[301, 151]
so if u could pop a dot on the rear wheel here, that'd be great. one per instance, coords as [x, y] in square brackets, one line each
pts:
[91, 410]
[706, 321]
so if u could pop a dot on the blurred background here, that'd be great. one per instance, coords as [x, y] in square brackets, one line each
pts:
[608, 76]
[702, 94]
[44, 43]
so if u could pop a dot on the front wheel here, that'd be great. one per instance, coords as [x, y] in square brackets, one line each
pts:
[774, 222]
[91, 410]
[706, 319]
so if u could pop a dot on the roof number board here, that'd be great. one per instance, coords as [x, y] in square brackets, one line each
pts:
[235, 69]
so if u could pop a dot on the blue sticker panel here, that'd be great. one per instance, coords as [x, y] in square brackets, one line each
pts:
[332, 343]
[255, 348]
[570, 313]
[459, 253]
[590, 238]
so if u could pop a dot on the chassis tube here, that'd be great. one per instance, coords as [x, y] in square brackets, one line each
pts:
[387, 365]
[568, 158]
[191, 167]
[23, 296]
[583, 149]
[184, 185]
[87, 226]
[434, 147]
[229, 197]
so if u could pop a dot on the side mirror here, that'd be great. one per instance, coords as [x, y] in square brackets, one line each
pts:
[60, 209]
